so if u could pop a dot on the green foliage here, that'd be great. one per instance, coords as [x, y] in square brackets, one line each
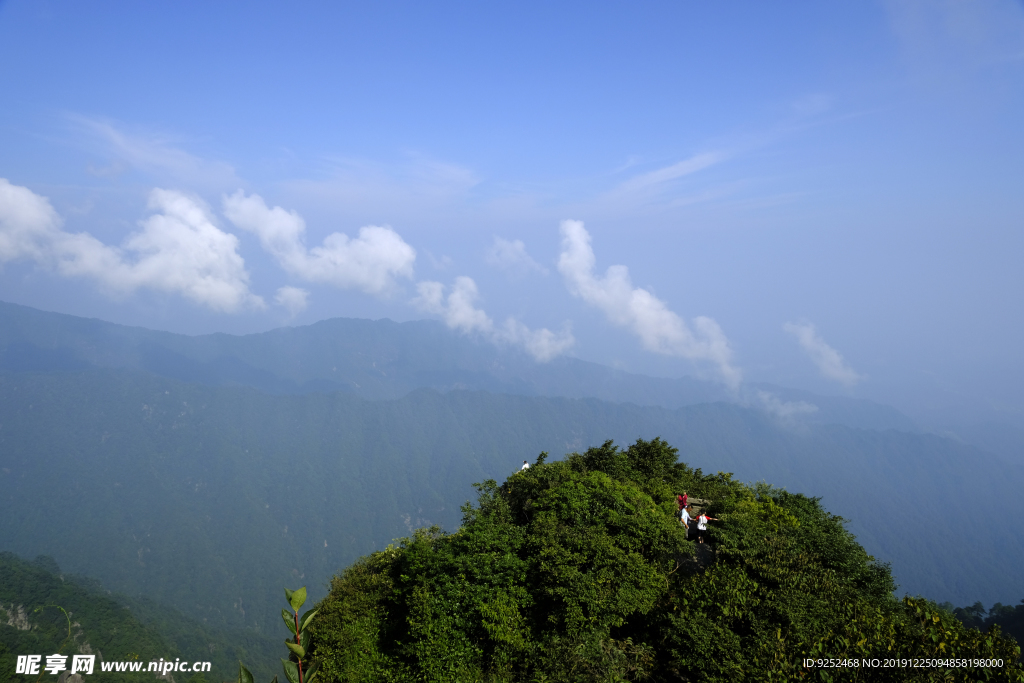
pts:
[299, 667]
[185, 494]
[202, 641]
[578, 571]
[1010, 619]
[114, 626]
[44, 613]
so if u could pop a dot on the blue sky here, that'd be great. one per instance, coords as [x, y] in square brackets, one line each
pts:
[820, 195]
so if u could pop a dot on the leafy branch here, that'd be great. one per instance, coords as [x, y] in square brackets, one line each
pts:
[297, 668]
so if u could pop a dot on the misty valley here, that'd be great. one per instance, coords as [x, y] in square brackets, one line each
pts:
[172, 486]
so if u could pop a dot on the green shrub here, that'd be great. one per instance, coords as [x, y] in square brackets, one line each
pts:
[579, 571]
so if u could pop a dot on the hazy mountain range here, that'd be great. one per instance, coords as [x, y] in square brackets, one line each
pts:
[207, 472]
[374, 359]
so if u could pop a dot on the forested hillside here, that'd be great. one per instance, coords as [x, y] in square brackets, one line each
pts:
[213, 498]
[578, 571]
[42, 614]
[45, 612]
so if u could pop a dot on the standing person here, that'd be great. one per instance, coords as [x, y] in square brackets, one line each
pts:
[525, 466]
[702, 526]
[685, 519]
[681, 500]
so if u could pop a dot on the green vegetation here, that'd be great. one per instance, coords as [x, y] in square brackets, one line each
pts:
[44, 612]
[299, 667]
[202, 641]
[579, 571]
[41, 613]
[1007, 617]
[185, 494]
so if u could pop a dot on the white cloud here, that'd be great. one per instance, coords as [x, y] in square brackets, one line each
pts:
[369, 263]
[542, 344]
[294, 299]
[784, 409]
[830, 363]
[28, 224]
[511, 256]
[660, 330]
[178, 250]
[459, 312]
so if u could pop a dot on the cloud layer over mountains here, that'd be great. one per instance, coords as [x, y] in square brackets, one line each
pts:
[369, 263]
[660, 329]
[180, 249]
[459, 312]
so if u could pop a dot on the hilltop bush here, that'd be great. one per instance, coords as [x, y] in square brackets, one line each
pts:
[579, 571]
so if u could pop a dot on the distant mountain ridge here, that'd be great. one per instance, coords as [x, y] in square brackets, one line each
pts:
[207, 472]
[373, 359]
[212, 498]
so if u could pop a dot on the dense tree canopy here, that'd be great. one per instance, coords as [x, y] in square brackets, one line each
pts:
[579, 570]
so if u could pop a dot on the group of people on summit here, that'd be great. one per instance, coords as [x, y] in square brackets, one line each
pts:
[684, 513]
[685, 518]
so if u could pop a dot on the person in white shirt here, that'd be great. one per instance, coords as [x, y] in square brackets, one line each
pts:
[702, 525]
[684, 519]
[525, 466]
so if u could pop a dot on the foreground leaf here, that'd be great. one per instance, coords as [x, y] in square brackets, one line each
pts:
[291, 670]
[296, 598]
[289, 620]
[306, 618]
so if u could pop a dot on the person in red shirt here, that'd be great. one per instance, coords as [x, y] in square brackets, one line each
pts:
[681, 500]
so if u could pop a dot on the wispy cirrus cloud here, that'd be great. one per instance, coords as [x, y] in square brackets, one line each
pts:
[405, 190]
[178, 249]
[153, 153]
[659, 329]
[828, 361]
[654, 181]
[458, 310]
